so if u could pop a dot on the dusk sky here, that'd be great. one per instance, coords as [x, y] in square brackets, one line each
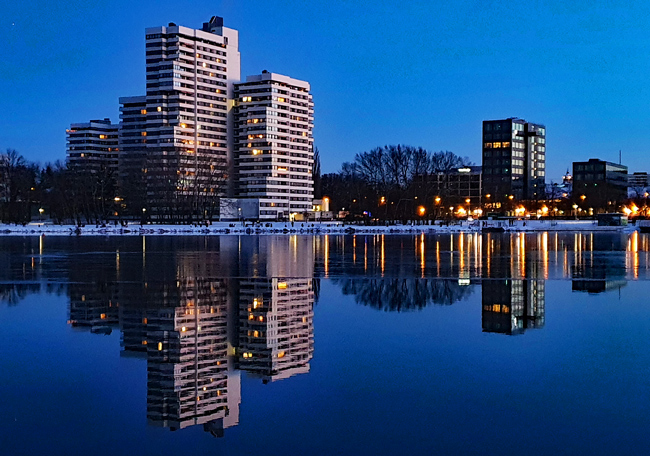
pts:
[422, 73]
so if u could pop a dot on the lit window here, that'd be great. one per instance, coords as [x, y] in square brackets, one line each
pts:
[496, 145]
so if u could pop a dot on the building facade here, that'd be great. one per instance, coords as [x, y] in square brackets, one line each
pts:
[189, 117]
[457, 186]
[93, 146]
[514, 159]
[638, 183]
[599, 184]
[132, 142]
[274, 144]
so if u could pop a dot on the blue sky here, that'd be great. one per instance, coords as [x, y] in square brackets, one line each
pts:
[423, 73]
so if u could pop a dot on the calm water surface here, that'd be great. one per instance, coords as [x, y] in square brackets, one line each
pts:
[466, 344]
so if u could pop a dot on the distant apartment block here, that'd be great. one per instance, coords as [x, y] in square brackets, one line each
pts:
[132, 142]
[274, 144]
[93, 146]
[514, 159]
[638, 180]
[190, 77]
[600, 184]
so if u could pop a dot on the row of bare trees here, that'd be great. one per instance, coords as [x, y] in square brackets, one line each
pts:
[388, 181]
[29, 191]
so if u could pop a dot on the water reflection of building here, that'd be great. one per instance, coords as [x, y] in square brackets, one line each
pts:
[601, 265]
[276, 308]
[276, 337]
[515, 300]
[191, 378]
[511, 306]
[92, 306]
[181, 312]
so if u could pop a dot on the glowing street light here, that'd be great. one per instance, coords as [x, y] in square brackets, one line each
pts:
[421, 210]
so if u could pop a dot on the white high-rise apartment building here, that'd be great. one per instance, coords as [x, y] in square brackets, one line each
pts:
[189, 120]
[274, 144]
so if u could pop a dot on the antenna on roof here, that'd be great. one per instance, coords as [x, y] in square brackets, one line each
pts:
[619, 157]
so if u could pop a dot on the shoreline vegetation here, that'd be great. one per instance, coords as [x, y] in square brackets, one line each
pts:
[306, 228]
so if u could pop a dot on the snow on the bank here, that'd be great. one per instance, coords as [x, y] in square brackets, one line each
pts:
[249, 228]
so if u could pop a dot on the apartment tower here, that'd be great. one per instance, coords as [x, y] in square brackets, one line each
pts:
[514, 160]
[92, 146]
[190, 77]
[274, 118]
[132, 142]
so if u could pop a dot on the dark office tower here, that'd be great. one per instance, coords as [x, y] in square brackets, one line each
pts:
[514, 160]
[599, 184]
[132, 142]
[513, 305]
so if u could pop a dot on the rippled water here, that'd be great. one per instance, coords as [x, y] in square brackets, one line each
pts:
[463, 344]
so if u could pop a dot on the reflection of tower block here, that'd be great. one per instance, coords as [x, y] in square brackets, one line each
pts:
[91, 305]
[189, 374]
[512, 306]
[276, 338]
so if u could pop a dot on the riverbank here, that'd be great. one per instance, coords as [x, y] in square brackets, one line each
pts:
[249, 228]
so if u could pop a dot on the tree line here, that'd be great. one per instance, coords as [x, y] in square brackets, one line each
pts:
[29, 191]
[389, 181]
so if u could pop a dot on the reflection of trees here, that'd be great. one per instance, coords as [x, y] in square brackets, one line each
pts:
[404, 294]
[13, 293]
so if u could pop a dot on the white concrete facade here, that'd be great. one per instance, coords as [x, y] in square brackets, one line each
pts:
[274, 144]
[189, 124]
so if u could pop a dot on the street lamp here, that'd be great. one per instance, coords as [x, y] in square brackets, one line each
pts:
[40, 213]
